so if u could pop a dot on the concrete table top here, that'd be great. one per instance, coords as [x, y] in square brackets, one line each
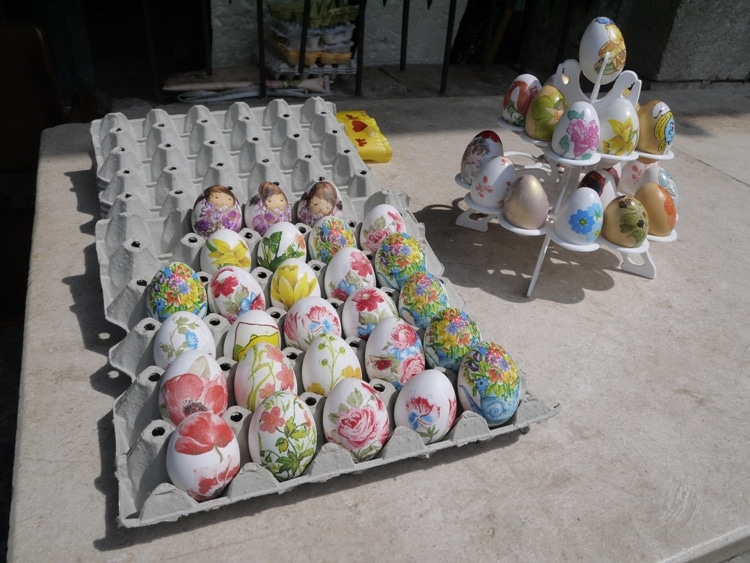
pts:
[646, 461]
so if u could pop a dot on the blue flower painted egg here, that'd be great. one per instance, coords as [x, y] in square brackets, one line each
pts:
[488, 383]
[579, 219]
[182, 332]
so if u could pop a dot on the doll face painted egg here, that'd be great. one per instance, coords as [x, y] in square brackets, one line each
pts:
[249, 329]
[266, 206]
[619, 128]
[282, 435]
[526, 204]
[518, 98]
[449, 336]
[625, 222]
[281, 241]
[193, 382]
[225, 248]
[544, 113]
[421, 297]
[307, 318]
[216, 208]
[427, 404]
[263, 370]
[293, 280]
[349, 270]
[662, 214]
[329, 235]
[356, 418]
[483, 147]
[603, 182]
[232, 291]
[203, 455]
[394, 352]
[488, 383]
[491, 182]
[602, 50]
[175, 287]
[378, 222]
[364, 309]
[657, 128]
[328, 359]
[399, 256]
[579, 219]
[576, 135]
[319, 200]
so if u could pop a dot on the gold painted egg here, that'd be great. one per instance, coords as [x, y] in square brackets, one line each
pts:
[526, 204]
[625, 222]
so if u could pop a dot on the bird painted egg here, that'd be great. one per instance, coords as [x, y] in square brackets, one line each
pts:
[518, 98]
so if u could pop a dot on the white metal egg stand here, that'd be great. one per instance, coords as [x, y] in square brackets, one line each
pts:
[636, 260]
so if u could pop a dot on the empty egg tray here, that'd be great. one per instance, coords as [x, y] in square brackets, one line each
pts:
[149, 173]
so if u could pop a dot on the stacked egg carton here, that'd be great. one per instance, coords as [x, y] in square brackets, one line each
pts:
[149, 173]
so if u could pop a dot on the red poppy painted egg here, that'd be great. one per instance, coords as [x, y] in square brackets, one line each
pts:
[263, 370]
[203, 455]
[356, 418]
[364, 309]
[193, 382]
[232, 291]
[427, 404]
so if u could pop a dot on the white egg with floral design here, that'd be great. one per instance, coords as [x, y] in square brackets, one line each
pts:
[580, 217]
[394, 352]
[293, 280]
[181, 332]
[378, 222]
[263, 370]
[225, 247]
[356, 418]
[310, 317]
[329, 236]
[449, 335]
[399, 256]
[576, 135]
[327, 360]
[349, 270]
[250, 328]
[232, 291]
[281, 242]
[427, 404]
[193, 382]
[364, 309]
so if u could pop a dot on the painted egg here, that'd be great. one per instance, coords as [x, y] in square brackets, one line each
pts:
[203, 455]
[267, 205]
[634, 174]
[264, 369]
[666, 181]
[399, 256]
[282, 435]
[576, 135]
[603, 182]
[350, 269]
[175, 287]
[491, 182]
[356, 418]
[422, 296]
[328, 359]
[364, 309]
[394, 352]
[378, 222]
[293, 280]
[620, 126]
[484, 146]
[544, 113]
[526, 204]
[449, 336]
[180, 332]
[193, 382]
[216, 208]
[250, 328]
[232, 291]
[625, 222]
[318, 201]
[488, 383]
[579, 219]
[602, 51]
[329, 235]
[657, 128]
[427, 404]
[662, 214]
[307, 318]
[225, 248]
[280, 242]
[518, 98]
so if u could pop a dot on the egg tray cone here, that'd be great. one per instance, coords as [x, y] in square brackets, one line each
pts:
[149, 173]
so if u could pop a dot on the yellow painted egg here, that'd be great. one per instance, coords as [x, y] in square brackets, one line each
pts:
[657, 128]
[544, 113]
[662, 214]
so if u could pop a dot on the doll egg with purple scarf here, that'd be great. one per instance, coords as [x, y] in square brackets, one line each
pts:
[267, 205]
[216, 208]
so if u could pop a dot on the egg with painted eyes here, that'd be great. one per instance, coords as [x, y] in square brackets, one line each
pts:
[267, 205]
[484, 146]
[657, 128]
[602, 52]
[319, 200]
[518, 98]
[216, 208]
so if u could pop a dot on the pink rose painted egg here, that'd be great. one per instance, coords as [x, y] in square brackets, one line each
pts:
[232, 291]
[484, 146]
[427, 404]
[356, 418]
[576, 135]
[378, 222]
[194, 382]
[518, 98]
[203, 455]
[394, 352]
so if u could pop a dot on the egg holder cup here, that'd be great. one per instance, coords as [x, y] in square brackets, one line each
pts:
[149, 173]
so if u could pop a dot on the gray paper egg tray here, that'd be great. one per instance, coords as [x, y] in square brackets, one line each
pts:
[149, 173]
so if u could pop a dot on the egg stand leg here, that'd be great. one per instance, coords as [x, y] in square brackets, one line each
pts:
[646, 268]
[538, 267]
[476, 223]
